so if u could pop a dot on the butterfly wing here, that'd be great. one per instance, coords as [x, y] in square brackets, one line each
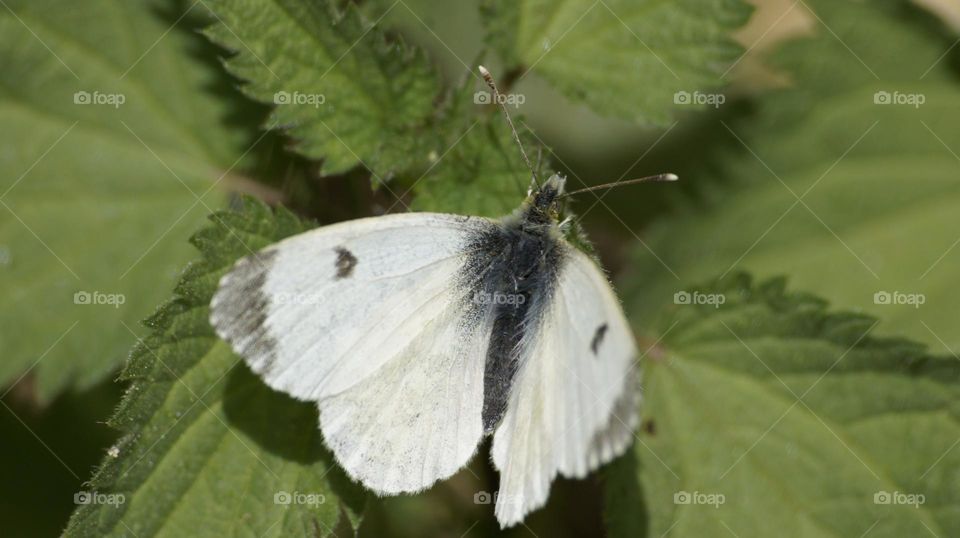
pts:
[318, 314]
[572, 406]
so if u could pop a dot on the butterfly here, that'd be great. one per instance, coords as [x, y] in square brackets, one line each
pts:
[419, 334]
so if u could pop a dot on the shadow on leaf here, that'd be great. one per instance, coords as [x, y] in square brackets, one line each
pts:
[284, 427]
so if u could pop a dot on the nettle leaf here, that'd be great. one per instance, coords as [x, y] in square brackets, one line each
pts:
[477, 177]
[114, 132]
[622, 58]
[341, 89]
[767, 415]
[871, 149]
[208, 449]
[481, 171]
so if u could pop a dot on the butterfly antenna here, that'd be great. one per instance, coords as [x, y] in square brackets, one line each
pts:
[649, 179]
[503, 106]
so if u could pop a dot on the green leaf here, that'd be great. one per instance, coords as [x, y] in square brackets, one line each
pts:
[97, 199]
[207, 445]
[878, 182]
[481, 172]
[477, 176]
[622, 58]
[774, 417]
[349, 96]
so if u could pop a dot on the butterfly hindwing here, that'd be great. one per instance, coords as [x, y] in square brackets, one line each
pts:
[418, 419]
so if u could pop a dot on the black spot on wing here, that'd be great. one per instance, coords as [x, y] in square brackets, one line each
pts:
[239, 311]
[345, 263]
[598, 338]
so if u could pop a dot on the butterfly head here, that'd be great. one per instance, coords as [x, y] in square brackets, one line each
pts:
[543, 201]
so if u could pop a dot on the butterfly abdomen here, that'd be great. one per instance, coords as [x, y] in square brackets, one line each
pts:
[513, 271]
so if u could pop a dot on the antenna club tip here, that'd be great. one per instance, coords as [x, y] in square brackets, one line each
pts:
[670, 177]
[486, 74]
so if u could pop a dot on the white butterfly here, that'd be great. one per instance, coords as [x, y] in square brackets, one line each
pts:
[419, 334]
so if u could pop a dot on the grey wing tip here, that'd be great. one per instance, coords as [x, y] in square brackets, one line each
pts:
[613, 439]
[238, 310]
